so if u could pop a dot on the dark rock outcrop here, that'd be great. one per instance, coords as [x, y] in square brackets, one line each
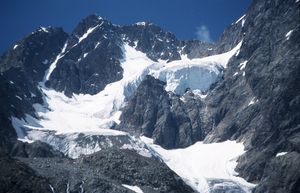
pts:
[21, 69]
[257, 101]
[91, 59]
[33, 150]
[172, 122]
[259, 104]
[106, 171]
[17, 177]
[280, 175]
[94, 51]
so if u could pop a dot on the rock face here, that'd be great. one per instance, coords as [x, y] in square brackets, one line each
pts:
[17, 177]
[88, 64]
[94, 50]
[106, 171]
[172, 122]
[257, 102]
[21, 69]
[33, 150]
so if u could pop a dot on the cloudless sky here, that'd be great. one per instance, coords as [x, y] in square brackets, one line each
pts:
[184, 18]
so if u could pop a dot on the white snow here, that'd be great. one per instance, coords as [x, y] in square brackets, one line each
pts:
[281, 154]
[15, 46]
[240, 19]
[236, 73]
[85, 54]
[92, 113]
[52, 189]
[11, 82]
[44, 29]
[243, 65]
[288, 35]
[53, 65]
[251, 102]
[18, 97]
[98, 43]
[243, 22]
[296, 1]
[141, 23]
[200, 162]
[195, 74]
[133, 188]
[87, 33]
[138, 146]
[97, 113]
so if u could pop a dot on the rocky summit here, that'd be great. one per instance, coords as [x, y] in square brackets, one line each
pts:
[113, 109]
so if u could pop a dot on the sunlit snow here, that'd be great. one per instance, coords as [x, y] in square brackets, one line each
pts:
[86, 34]
[199, 163]
[240, 19]
[133, 188]
[243, 65]
[53, 65]
[141, 23]
[288, 35]
[98, 113]
[281, 154]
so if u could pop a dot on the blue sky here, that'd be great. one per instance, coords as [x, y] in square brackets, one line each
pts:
[187, 19]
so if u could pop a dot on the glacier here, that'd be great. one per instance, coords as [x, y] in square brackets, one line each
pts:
[82, 124]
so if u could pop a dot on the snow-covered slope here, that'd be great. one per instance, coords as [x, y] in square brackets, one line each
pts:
[82, 124]
[96, 114]
[202, 164]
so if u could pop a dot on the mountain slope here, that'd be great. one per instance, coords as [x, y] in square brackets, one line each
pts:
[72, 90]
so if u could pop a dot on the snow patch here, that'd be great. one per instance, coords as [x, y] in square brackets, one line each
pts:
[133, 188]
[18, 97]
[141, 23]
[98, 43]
[281, 154]
[15, 46]
[288, 35]
[87, 33]
[236, 73]
[200, 162]
[53, 65]
[243, 65]
[243, 22]
[85, 54]
[43, 29]
[253, 101]
[240, 19]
